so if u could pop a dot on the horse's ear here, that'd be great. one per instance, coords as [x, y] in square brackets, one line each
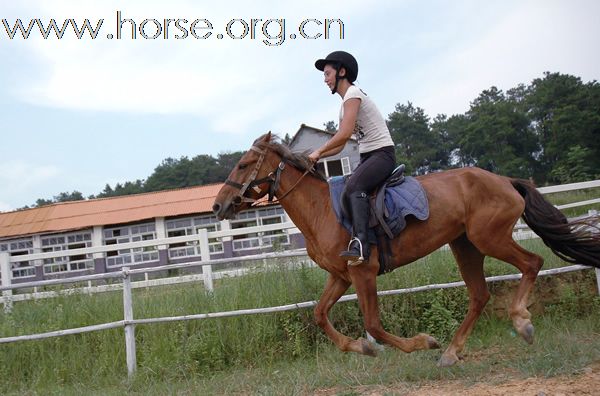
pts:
[268, 137]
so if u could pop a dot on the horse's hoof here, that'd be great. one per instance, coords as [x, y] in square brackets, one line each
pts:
[527, 333]
[425, 341]
[432, 343]
[368, 348]
[447, 360]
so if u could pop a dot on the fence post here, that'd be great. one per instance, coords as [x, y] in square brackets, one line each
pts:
[594, 213]
[129, 328]
[205, 255]
[6, 280]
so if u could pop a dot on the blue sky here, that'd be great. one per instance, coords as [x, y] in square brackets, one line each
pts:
[77, 114]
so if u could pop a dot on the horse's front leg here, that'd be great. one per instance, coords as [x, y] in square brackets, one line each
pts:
[364, 279]
[334, 289]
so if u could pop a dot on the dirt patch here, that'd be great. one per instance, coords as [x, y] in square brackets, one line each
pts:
[547, 290]
[585, 383]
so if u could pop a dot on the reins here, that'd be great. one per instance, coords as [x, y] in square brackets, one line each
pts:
[306, 172]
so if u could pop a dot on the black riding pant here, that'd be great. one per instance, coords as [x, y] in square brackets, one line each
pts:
[374, 167]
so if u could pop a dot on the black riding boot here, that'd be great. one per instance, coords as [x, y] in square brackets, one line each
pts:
[358, 248]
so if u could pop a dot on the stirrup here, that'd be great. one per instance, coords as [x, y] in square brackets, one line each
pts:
[358, 260]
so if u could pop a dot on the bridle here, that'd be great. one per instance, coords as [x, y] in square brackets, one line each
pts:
[272, 178]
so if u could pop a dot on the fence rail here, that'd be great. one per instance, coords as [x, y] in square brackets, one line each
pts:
[128, 323]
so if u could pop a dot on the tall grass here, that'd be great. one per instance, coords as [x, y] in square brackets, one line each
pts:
[195, 351]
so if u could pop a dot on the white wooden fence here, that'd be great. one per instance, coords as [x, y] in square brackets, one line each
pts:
[125, 274]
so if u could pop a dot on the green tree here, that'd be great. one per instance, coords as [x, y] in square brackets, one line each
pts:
[451, 129]
[564, 113]
[497, 136]
[444, 131]
[69, 196]
[183, 172]
[128, 188]
[40, 202]
[420, 147]
[174, 173]
[170, 173]
[575, 166]
[287, 139]
[107, 192]
[225, 163]
[330, 126]
[163, 176]
[201, 170]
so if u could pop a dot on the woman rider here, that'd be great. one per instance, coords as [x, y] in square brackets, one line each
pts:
[358, 116]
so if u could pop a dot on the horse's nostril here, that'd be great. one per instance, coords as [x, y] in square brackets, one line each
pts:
[216, 208]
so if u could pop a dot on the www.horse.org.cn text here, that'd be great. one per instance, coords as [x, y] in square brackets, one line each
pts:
[269, 31]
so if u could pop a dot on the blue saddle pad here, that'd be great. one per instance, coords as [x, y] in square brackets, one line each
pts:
[407, 198]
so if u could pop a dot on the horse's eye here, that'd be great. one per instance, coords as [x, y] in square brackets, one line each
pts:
[242, 166]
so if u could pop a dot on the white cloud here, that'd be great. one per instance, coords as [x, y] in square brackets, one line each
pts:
[232, 83]
[21, 175]
[20, 179]
[527, 40]
[439, 55]
[235, 83]
[4, 207]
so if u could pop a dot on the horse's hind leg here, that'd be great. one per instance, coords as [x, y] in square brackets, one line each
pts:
[470, 263]
[493, 237]
[529, 264]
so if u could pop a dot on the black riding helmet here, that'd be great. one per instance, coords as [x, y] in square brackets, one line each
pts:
[339, 59]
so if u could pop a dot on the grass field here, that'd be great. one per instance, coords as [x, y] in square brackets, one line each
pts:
[493, 355]
[286, 353]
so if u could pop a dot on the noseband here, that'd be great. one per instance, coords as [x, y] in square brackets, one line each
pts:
[272, 178]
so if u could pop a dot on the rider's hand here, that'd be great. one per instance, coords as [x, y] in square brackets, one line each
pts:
[314, 156]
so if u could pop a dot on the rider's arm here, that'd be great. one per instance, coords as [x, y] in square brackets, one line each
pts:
[338, 141]
[332, 151]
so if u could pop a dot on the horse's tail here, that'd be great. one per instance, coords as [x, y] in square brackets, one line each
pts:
[575, 242]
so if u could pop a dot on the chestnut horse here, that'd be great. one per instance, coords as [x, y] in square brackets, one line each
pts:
[472, 210]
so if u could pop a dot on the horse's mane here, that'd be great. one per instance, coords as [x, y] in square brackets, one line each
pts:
[299, 160]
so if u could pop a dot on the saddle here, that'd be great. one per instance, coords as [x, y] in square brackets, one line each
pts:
[379, 212]
[398, 197]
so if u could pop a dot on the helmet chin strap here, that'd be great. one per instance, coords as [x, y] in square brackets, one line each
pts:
[337, 79]
[335, 87]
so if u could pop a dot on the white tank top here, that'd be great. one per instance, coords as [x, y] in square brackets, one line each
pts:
[370, 129]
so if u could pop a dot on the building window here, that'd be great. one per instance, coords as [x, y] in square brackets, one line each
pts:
[245, 241]
[126, 234]
[339, 167]
[346, 169]
[210, 223]
[19, 247]
[260, 217]
[71, 263]
[191, 226]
